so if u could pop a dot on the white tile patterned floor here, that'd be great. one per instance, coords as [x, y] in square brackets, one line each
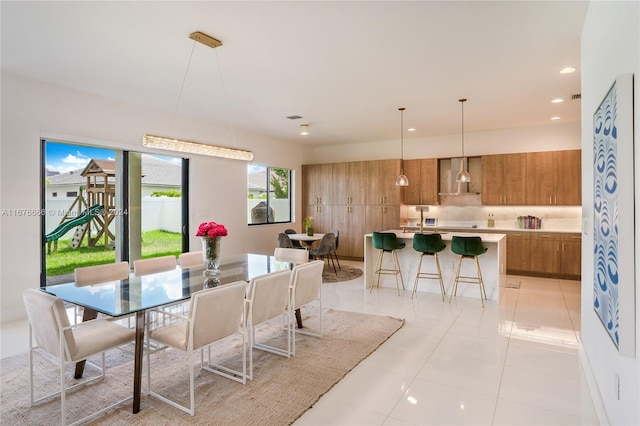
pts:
[511, 363]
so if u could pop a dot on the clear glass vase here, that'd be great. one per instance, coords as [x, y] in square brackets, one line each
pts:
[211, 256]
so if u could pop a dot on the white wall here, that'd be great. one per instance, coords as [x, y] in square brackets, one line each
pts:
[610, 47]
[552, 137]
[31, 110]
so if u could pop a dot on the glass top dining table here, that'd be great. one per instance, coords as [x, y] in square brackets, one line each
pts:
[125, 297]
[137, 294]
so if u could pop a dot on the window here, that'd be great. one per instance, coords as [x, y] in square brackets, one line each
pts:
[82, 229]
[268, 195]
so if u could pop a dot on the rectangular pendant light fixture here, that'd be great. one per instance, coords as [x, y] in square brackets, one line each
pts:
[195, 148]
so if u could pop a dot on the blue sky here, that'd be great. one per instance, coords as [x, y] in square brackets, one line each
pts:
[64, 158]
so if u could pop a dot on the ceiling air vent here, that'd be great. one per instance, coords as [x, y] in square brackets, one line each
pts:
[576, 97]
[294, 117]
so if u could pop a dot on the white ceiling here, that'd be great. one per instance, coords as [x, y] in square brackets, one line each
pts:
[345, 67]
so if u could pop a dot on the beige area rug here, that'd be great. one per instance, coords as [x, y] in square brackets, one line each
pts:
[282, 389]
[346, 273]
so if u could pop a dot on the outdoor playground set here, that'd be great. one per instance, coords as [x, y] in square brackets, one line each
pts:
[92, 210]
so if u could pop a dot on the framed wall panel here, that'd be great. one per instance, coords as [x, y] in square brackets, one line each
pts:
[614, 228]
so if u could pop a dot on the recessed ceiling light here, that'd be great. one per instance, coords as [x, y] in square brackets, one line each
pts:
[567, 70]
[304, 129]
[555, 118]
[557, 100]
[411, 129]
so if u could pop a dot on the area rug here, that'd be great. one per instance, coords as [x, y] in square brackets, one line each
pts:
[282, 389]
[346, 273]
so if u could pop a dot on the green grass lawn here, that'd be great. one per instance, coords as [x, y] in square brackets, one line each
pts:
[66, 259]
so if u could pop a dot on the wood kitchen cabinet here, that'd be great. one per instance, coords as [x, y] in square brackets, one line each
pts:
[518, 252]
[349, 183]
[567, 178]
[571, 259]
[322, 217]
[423, 175]
[317, 183]
[554, 178]
[382, 218]
[504, 179]
[381, 183]
[556, 254]
[545, 253]
[350, 221]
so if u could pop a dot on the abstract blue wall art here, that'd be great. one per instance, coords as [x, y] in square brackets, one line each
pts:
[606, 219]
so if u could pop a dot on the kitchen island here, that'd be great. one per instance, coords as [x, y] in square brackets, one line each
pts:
[492, 264]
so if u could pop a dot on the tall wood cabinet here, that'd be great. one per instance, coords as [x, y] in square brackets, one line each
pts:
[423, 175]
[316, 183]
[358, 198]
[504, 179]
[554, 178]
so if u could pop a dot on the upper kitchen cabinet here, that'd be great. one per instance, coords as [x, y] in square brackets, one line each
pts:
[316, 183]
[349, 183]
[381, 182]
[554, 178]
[423, 178]
[504, 179]
[567, 177]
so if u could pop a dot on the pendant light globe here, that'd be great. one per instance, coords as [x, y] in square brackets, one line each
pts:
[402, 180]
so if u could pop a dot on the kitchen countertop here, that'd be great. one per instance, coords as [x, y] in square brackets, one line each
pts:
[498, 228]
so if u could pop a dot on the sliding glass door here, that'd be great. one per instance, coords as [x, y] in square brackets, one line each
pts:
[101, 205]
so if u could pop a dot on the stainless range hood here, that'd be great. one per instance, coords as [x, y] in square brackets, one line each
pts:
[449, 168]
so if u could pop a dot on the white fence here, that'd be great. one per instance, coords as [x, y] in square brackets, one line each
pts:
[164, 213]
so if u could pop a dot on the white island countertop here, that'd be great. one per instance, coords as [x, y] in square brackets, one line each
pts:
[492, 263]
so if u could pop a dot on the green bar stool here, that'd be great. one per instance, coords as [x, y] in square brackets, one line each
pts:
[387, 242]
[468, 248]
[428, 245]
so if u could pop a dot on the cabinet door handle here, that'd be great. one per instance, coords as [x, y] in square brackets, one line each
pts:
[555, 199]
[545, 236]
[558, 247]
[550, 200]
[562, 246]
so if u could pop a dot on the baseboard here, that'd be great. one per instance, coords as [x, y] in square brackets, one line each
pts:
[598, 404]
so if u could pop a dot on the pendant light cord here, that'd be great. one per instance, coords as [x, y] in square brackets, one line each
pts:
[462, 101]
[401, 140]
[184, 79]
[226, 103]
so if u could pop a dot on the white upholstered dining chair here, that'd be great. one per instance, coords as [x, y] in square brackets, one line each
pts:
[153, 265]
[191, 259]
[305, 288]
[68, 344]
[214, 314]
[291, 255]
[95, 274]
[268, 298]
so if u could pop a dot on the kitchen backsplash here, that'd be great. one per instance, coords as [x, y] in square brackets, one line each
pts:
[504, 217]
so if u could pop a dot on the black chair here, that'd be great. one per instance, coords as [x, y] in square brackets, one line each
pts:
[284, 241]
[334, 254]
[428, 245]
[387, 242]
[468, 248]
[295, 243]
[325, 249]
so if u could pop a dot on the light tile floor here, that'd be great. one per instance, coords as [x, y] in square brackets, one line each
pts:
[512, 363]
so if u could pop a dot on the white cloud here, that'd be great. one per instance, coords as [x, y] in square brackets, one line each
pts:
[69, 163]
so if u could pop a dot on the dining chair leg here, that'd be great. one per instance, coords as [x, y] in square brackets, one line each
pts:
[454, 291]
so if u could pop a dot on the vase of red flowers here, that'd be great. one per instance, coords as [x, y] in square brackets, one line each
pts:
[211, 234]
